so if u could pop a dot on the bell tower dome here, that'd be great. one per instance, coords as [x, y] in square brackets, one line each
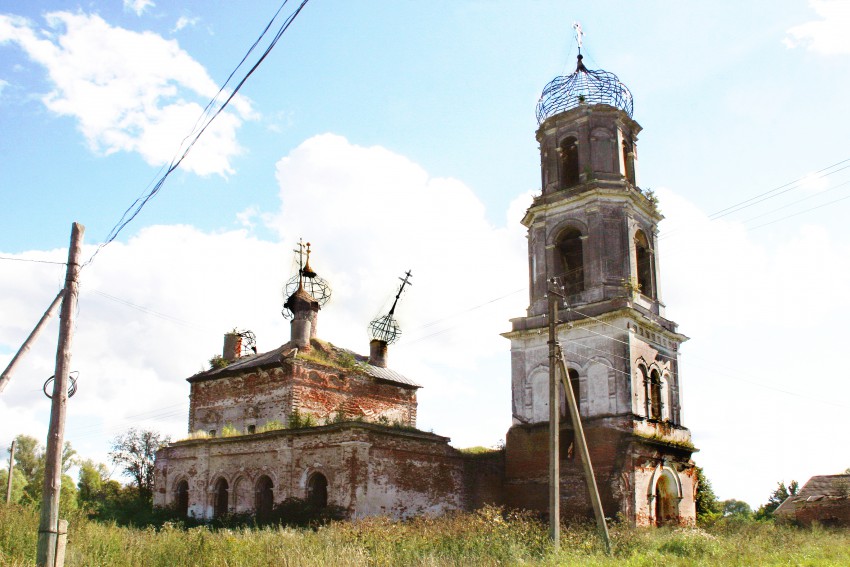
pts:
[593, 232]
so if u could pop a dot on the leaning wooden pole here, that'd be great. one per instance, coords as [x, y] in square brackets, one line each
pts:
[554, 429]
[49, 526]
[589, 477]
[7, 374]
[11, 473]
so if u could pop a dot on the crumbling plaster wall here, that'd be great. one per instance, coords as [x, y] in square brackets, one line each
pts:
[370, 470]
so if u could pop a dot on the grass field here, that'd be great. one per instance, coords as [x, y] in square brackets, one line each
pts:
[486, 537]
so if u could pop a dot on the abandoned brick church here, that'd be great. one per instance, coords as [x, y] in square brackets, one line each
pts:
[314, 421]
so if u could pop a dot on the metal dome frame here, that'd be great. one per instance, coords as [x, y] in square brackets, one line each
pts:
[584, 86]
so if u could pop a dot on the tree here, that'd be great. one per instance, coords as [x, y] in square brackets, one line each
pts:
[19, 482]
[735, 508]
[776, 498]
[135, 451]
[98, 494]
[30, 459]
[708, 508]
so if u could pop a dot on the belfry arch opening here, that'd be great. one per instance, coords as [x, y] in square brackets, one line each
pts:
[317, 490]
[644, 264]
[264, 497]
[181, 498]
[655, 395]
[569, 250]
[568, 150]
[221, 498]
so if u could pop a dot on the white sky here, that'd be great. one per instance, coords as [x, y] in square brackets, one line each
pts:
[399, 136]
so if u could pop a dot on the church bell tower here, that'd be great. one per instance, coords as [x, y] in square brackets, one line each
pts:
[593, 232]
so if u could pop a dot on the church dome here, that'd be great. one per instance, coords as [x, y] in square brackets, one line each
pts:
[583, 86]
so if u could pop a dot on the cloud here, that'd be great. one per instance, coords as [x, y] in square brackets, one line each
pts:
[184, 22]
[129, 91]
[826, 36]
[138, 6]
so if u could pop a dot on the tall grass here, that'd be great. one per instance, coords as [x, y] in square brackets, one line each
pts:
[486, 537]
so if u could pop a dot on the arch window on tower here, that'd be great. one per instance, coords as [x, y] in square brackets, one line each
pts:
[569, 162]
[644, 263]
[655, 403]
[571, 260]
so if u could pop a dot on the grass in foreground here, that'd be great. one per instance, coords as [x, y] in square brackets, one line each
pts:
[486, 537]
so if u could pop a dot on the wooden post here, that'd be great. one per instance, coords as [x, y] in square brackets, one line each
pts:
[7, 374]
[589, 477]
[11, 470]
[49, 525]
[554, 429]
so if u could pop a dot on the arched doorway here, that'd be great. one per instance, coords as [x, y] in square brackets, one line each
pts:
[221, 498]
[264, 497]
[181, 498]
[317, 490]
[666, 501]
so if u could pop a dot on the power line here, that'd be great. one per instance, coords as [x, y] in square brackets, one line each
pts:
[136, 207]
[34, 261]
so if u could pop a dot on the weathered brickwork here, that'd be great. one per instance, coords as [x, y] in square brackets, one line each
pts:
[251, 397]
[370, 470]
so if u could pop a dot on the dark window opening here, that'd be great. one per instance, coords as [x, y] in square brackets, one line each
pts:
[665, 505]
[182, 499]
[317, 490]
[655, 395]
[220, 505]
[212, 432]
[571, 256]
[644, 265]
[252, 429]
[574, 383]
[569, 162]
[264, 497]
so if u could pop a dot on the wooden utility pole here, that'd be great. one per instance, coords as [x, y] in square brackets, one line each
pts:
[557, 362]
[7, 374]
[554, 427]
[11, 470]
[48, 529]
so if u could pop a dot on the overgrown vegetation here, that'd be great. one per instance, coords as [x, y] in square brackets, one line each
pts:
[489, 536]
[217, 362]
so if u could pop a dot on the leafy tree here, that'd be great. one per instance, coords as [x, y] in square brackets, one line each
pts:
[776, 498]
[736, 508]
[135, 451]
[708, 508]
[98, 494]
[30, 460]
[19, 482]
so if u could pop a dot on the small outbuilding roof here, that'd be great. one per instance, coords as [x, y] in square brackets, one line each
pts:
[822, 487]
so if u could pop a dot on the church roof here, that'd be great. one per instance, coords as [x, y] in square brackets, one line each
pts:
[583, 86]
[328, 355]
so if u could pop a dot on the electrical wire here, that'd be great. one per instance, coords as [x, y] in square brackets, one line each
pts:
[136, 207]
[34, 261]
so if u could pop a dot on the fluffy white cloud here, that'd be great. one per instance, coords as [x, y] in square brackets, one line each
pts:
[129, 91]
[828, 35]
[138, 6]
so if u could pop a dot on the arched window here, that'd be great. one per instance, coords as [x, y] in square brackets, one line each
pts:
[264, 497]
[644, 263]
[573, 374]
[317, 490]
[181, 498]
[569, 162]
[628, 163]
[571, 258]
[221, 498]
[655, 395]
